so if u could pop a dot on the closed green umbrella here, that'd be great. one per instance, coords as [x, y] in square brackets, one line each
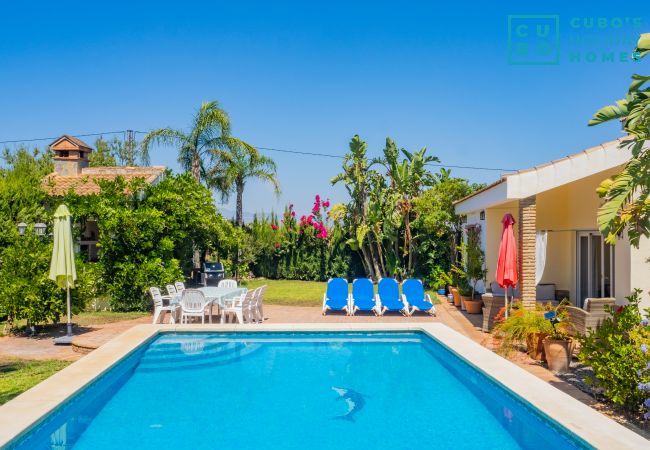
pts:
[62, 268]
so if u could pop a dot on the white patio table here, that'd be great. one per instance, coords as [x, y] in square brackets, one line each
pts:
[215, 295]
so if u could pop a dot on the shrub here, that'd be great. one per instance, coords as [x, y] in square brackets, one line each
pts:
[614, 352]
[26, 292]
[131, 280]
[146, 230]
[309, 248]
[523, 324]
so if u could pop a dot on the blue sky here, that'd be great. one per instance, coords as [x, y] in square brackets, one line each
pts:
[307, 77]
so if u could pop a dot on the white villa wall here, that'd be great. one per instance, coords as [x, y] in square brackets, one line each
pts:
[622, 269]
[552, 214]
[640, 270]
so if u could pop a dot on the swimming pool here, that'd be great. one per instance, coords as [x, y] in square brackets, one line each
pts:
[383, 390]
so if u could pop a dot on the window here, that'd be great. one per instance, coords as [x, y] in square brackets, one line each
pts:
[595, 271]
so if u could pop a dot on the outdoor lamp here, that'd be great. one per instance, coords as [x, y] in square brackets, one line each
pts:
[22, 227]
[40, 229]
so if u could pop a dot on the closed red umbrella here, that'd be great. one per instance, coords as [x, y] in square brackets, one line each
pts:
[507, 264]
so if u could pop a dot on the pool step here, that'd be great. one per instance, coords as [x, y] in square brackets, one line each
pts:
[194, 357]
[181, 351]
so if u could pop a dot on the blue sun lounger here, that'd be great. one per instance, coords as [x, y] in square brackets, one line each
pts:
[414, 296]
[336, 297]
[363, 296]
[389, 299]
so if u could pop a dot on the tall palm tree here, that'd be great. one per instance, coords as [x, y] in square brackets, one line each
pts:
[236, 162]
[357, 178]
[210, 128]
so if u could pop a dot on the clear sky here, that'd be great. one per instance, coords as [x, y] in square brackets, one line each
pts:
[306, 76]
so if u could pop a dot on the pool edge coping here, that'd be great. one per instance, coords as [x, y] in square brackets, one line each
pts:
[20, 414]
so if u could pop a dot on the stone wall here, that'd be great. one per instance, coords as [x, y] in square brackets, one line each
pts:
[527, 238]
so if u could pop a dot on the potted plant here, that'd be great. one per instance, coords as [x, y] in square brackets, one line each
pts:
[524, 327]
[441, 280]
[458, 281]
[474, 259]
[465, 292]
[558, 345]
[455, 295]
[473, 305]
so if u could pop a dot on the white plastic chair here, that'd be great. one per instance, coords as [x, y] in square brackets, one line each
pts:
[258, 307]
[240, 307]
[192, 305]
[180, 286]
[159, 308]
[171, 293]
[227, 284]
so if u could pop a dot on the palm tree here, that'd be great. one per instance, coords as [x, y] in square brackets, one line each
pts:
[236, 162]
[210, 128]
[356, 177]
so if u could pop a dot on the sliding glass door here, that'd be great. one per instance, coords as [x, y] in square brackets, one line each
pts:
[595, 269]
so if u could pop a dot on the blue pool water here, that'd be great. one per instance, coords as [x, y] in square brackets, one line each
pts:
[296, 391]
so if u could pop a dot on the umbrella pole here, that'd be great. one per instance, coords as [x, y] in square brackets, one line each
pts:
[69, 312]
[506, 302]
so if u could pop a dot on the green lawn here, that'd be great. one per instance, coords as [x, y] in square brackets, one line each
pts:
[298, 293]
[290, 292]
[16, 375]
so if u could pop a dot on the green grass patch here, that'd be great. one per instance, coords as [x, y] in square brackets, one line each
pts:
[290, 292]
[18, 375]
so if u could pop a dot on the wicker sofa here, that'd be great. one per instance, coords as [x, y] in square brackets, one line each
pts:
[493, 301]
[590, 316]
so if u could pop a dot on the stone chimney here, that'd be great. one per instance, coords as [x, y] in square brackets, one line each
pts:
[70, 155]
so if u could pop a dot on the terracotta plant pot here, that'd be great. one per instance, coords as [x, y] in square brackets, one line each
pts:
[464, 299]
[535, 346]
[456, 295]
[473, 306]
[558, 353]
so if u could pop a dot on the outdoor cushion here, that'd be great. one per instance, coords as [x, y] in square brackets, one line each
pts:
[498, 291]
[388, 291]
[363, 294]
[414, 292]
[545, 292]
[337, 293]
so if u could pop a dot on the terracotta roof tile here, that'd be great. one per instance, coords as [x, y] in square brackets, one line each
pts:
[86, 182]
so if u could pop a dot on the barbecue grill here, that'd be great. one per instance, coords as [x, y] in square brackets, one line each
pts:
[212, 273]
